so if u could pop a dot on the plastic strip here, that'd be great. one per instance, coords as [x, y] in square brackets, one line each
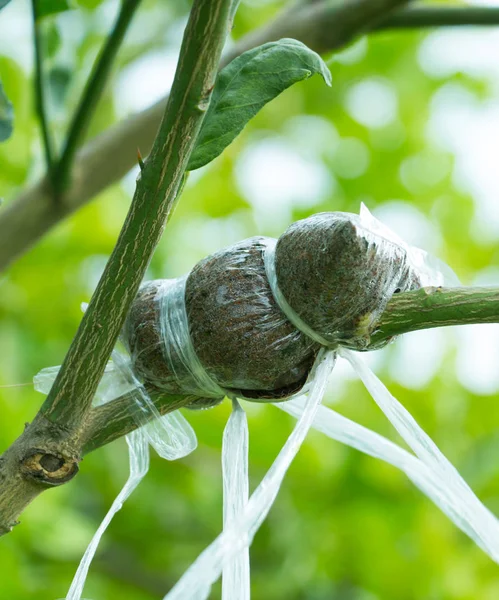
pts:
[352, 434]
[291, 314]
[455, 497]
[139, 465]
[178, 349]
[170, 435]
[431, 270]
[196, 582]
[236, 574]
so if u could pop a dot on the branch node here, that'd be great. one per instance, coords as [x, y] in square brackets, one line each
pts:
[47, 468]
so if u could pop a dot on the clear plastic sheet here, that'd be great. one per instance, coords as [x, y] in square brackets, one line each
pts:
[236, 574]
[178, 349]
[139, 465]
[357, 265]
[170, 435]
[196, 582]
[430, 471]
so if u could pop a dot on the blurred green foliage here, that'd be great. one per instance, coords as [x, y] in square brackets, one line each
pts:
[344, 526]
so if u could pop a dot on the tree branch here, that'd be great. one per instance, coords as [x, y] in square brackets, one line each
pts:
[411, 311]
[437, 307]
[71, 395]
[115, 419]
[49, 450]
[442, 16]
[39, 92]
[92, 94]
[107, 158]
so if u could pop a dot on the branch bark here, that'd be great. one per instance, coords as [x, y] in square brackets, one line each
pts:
[442, 16]
[48, 451]
[436, 307]
[107, 158]
[422, 309]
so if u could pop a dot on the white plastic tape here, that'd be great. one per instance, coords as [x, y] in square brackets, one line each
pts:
[196, 582]
[430, 471]
[236, 574]
[170, 435]
[139, 465]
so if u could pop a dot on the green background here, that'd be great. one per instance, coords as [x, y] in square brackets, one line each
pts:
[344, 525]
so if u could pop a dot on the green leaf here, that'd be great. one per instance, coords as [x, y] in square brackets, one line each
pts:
[44, 8]
[246, 85]
[6, 116]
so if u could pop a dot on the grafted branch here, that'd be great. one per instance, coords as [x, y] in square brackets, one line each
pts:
[437, 307]
[422, 309]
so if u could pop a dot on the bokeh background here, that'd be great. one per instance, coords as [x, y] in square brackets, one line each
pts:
[411, 128]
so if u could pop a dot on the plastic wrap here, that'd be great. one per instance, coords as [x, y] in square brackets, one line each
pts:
[334, 273]
[235, 576]
[237, 331]
[196, 582]
[139, 465]
[253, 321]
[249, 320]
[170, 435]
[430, 471]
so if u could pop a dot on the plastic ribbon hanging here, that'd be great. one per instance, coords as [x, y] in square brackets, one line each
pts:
[429, 470]
[196, 582]
[236, 573]
[170, 435]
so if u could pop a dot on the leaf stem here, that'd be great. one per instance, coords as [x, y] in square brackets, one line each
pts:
[39, 93]
[91, 95]
[441, 16]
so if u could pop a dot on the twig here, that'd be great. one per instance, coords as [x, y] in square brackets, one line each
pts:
[39, 94]
[442, 16]
[71, 395]
[437, 307]
[91, 95]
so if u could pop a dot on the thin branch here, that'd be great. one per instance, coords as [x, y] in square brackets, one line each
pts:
[322, 26]
[115, 419]
[437, 307]
[442, 16]
[91, 95]
[48, 451]
[41, 109]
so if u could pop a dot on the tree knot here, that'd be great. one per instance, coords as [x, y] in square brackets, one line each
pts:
[49, 468]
